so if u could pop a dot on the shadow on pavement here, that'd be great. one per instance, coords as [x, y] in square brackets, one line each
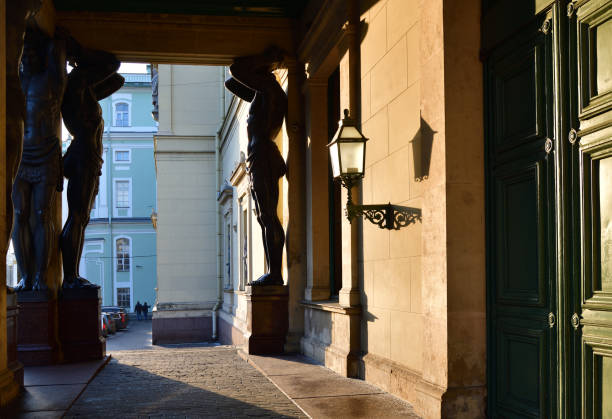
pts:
[223, 387]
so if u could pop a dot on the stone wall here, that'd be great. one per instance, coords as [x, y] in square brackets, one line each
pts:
[190, 110]
[392, 322]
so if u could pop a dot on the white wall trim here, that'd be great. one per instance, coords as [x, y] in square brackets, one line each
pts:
[130, 128]
[93, 246]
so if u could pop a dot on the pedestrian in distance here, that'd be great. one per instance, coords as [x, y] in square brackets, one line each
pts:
[145, 310]
[138, 309]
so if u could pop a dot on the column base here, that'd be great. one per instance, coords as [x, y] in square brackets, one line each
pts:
[267, 319]
[12, 311]
[79, 325]
[37, 342]
[9, 389]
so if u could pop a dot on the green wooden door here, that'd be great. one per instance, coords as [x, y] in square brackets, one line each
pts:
[520, 224]
[593, 43]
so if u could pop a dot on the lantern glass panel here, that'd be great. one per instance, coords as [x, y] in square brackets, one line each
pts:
[351, 157]
[335, 163]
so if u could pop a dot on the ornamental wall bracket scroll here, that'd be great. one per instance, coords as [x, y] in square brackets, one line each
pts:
[389, 216]
[575, 321]
[572, 136]
[571, 8]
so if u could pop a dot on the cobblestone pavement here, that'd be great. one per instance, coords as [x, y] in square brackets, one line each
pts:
[182, 382]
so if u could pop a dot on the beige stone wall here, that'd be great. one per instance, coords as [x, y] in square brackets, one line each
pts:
[423, 292]
[190, 111]
[191, 99]
[390, 83]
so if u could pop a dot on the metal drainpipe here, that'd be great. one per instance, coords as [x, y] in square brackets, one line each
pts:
[218, 206]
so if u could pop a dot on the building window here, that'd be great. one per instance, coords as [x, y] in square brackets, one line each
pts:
[122, 156]
[122, 191]
[244, 239]
[228, 256]
[123, 297]
[123, 255]
[122, 114]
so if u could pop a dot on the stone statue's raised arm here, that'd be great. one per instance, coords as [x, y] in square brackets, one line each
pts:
[92, 67]
[254, 71]
[108, 86]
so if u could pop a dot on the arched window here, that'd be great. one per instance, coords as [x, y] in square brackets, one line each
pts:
[123, 255]
[122, 114]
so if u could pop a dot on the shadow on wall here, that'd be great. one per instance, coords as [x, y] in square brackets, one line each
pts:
[422, 144]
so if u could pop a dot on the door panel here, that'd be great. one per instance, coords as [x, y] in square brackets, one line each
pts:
[518, 195]
[594, 46]
[520, 225]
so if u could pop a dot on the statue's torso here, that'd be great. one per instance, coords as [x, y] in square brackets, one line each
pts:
[43, 100]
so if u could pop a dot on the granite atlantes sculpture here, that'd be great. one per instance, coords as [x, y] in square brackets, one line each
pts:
[39, 178]
[17, 14]
[253, 81]
[93, 78]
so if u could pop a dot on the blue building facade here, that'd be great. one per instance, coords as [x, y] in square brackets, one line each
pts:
[120, 241]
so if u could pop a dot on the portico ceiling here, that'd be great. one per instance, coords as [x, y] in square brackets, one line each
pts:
[261, 8]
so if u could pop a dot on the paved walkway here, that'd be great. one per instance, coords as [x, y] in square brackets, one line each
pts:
[199, 381]
[182, 382]
[50, 390]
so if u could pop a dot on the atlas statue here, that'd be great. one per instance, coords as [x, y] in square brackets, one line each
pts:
[93, 77]
[39, 178]
[18, 15]
[252, 79]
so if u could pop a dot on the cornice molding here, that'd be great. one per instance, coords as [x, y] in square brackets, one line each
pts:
[238, 173]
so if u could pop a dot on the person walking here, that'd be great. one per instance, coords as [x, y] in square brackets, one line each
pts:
[145, 310]
[138, 309]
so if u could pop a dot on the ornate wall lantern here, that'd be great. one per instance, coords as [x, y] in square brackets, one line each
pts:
[347, 154]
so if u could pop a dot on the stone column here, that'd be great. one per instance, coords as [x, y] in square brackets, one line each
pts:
[296, 199]
[317, 196]
[352, 258]
[8, 387]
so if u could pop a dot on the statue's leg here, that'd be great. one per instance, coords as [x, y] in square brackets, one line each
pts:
[22, 236]
[266, 192]
[72, 237]
[43, 199]
[261, 225]
[275, 235]
[67, 240]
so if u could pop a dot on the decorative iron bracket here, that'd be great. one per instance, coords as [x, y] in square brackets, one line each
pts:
[389, 216]
[392, 217]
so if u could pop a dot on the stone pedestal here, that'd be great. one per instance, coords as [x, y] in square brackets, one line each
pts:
[37, 342]
[267, 319]
[79, 325]
[13, 363]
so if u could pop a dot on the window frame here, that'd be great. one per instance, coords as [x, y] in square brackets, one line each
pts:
[122, 150]
[122, 101]
[116, 208]
[123, 257]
